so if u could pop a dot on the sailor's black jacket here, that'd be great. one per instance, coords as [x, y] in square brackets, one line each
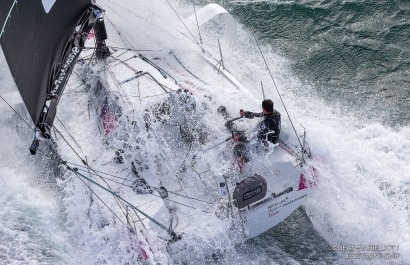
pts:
[269, 127]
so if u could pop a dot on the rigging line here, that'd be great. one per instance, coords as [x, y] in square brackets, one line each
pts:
[84, 82]
[118, 85]
[79, 76]
[85, 57]
[199, 32]
[89, 168]
[74, 89]
[115, 80]
[53, 154]
[188, 38]
[119, 203]
[118, 56]
[181, 195]
[65, 140]
[178, 194]
[280, 96]
[180, 203]
[99, 172]
[45, 154]
[139, 91]
[182, 22]
[162, 71]
[156, 81]
[249, 82]
[203, 182]
[93, 60]
[145, 59]
[77, 174]
[93, 76]
[131, 205]
[76, 82]
[152, 95]
[152, 187]
[85, 163]
[128, 49]
[109, 92]
[108, 64]
[216, 60]
[187, 69]
[69, 133]
[119, 33]
[7, 18]
[182, 165]
[127, 65]
[149, 202]
[60, 160]
[122, 184]
[18, 114]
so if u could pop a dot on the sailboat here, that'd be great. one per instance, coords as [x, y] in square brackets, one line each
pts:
[160, 140]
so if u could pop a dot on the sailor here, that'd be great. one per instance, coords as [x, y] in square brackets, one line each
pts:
[269, 127]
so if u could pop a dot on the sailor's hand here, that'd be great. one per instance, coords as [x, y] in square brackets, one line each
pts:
[248, 114]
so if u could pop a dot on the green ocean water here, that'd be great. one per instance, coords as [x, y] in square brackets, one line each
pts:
[352, 54]
[355, 53]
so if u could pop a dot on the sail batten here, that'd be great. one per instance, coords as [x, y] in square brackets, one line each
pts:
[41, 49]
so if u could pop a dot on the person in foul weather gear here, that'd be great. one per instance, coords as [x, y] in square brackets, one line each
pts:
[269, 127]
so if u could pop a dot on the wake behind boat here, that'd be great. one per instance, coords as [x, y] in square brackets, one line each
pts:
[158, 144]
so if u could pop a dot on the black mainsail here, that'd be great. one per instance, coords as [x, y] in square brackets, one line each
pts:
[41, 40]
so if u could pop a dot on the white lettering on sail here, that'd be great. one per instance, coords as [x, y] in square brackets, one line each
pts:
[48, 4]
[63, 70]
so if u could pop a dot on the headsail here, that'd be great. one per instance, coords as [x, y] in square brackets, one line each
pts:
[41, 41]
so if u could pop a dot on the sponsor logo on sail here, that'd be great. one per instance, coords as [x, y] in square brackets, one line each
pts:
[63, 70]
